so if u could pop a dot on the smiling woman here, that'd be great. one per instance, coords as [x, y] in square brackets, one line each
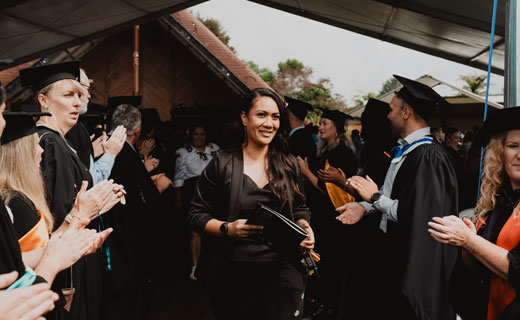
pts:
[251, 280]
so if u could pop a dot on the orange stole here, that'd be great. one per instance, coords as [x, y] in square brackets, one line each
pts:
[36, 238]
[501, 294]
[337, 195]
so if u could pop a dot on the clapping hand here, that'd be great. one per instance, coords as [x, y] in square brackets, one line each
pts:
[452, 230]
[116, 141]
[146, 147]
[29, 303]
[151, 163]
[365, 187]
[331, 174]
[350, 213]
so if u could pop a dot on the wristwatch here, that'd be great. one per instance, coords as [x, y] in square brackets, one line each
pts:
[375, 196]
[223, 228]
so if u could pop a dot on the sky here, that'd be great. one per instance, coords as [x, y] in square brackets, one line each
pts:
[354, 63]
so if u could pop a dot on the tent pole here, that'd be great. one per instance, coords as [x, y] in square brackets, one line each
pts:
[511, 72]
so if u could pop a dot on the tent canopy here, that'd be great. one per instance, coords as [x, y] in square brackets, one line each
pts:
[454, 30]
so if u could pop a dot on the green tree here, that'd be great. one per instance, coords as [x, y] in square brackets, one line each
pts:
[361, 99]
[389, 86]
[475, 83]
[264, 73]
[296, 80]
[218, 30]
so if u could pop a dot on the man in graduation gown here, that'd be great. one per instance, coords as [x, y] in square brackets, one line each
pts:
[127, 279]
[420, 184]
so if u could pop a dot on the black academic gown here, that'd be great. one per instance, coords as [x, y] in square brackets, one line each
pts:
[417, 268]
[332, 237]
[125, 284]
[63, 173]
[79, 139]
[302, 144]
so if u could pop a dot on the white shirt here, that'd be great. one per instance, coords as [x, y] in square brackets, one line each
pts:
[190, 163]
[387, 206]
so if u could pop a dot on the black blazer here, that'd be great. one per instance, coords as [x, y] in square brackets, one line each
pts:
[216, 196]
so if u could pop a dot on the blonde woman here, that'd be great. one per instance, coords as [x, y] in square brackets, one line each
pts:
[58, 92]
[485, 283]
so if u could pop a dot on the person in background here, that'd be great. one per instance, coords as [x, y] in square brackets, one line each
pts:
[191, 160]
[466, 143]
[452, 143]
[127, 278]
[438, 134]
[250, 280]
[336, 163]
[485, 283]
[358, 143]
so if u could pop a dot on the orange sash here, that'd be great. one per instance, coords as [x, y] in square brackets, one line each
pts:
[337, 195]
[36, 238]
[501, 294]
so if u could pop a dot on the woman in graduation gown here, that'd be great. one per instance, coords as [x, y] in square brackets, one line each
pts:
[58, 92]
[336, 163]
[251, 280]
[61, 251]
[485, 283]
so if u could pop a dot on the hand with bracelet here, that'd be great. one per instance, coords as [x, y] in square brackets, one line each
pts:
[96, 201]
[454, 231]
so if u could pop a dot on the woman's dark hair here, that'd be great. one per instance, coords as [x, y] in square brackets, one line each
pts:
[282, 166]
[3, 96]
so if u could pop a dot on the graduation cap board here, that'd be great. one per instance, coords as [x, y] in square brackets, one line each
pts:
[298, 108]
[115, 102]
[375, 111]
[422, 98]
[500, 121]
[19, 125]
[335, 115]
[39, 77]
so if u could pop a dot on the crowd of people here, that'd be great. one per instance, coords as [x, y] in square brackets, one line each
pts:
[378, 209]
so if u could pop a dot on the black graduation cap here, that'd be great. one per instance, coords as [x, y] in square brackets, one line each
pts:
[335, 115]
[422, 98]
[114, 102]
[298, 108]
[500, 121]
[39, 77]
[19, 125]
[375, 111]
[149, 119]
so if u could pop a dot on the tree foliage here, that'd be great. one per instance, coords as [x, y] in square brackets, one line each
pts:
[296, 80]
[218, 30]
[475, 83]
[389, 85]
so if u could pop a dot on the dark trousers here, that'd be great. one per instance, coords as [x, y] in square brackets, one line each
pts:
[262, 290]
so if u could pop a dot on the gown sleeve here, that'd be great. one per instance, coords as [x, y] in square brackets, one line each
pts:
[204, 203]
[426, 186]
[25, 216]
[60, 187]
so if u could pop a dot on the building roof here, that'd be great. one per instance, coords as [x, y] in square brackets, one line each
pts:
[219, 50]
[185, 27]
[464, 96]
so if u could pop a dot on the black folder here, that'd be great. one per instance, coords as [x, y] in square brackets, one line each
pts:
[280, 233]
